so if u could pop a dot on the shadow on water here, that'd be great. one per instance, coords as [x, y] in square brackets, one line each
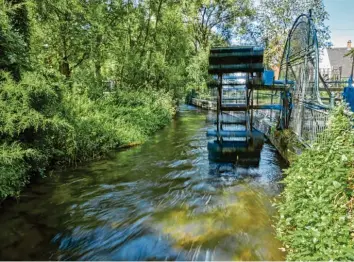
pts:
[163, 200]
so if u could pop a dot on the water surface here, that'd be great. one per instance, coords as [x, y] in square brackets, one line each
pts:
[162, 200]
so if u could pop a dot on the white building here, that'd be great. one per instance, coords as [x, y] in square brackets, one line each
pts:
[334, 64]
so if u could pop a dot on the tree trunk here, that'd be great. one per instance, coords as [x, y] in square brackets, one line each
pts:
[64, 68]
[155, 32]
[147, 30]
[98, 58]
[20, 23]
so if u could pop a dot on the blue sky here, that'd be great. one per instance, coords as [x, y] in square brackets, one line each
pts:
[341, 21]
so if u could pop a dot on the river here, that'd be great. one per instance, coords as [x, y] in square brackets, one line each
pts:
[162, 200]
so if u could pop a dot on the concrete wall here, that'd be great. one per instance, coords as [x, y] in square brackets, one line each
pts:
[206, 104]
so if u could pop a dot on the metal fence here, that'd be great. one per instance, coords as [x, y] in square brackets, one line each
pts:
[307, 122]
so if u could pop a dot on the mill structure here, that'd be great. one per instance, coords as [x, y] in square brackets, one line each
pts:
[242, 87]
[247, 94]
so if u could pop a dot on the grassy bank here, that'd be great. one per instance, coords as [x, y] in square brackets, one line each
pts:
[316, 221]
[45, 123]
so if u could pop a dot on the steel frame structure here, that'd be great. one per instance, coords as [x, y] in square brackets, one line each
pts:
[300, 64]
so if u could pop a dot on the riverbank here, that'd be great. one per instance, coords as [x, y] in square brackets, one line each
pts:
[316, 215]
[316, 212]
[75, 84]
[162, 200]
[45, 124]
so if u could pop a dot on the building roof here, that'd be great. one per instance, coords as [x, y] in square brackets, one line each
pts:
[338, 59]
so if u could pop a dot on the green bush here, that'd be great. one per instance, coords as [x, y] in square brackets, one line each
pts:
[13, 169]
[44, 122]
[96, 131]
[315, 216]
[29, 116]
[148, 110]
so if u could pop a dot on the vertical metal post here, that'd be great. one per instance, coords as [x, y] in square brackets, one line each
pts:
[218, 107]
[247, 116]
[340, 74]
[251, 98]
[332, 100]
[218, 102]
[271, 102]
[305, 83]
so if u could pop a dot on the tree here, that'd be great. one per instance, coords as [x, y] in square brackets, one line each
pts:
[14, 37]
[274, 19]
[62, 32]
[216, 20]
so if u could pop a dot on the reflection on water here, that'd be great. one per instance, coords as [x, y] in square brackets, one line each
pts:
[163, 200]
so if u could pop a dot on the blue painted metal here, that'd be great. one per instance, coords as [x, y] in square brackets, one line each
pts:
[268, 77]
[283, 82]
[348, 94]
[273, 107]
[235, 59]
[225, 105]
[230, 99]
[232, 122]
[217, 69]
[232, 65]
[229, 146]
[228, 133]
[242, 107]
[240, 48]
[311, 105]
[240, 88]
[233, 77]
[235, 133]
[238, 54]
[234, 107]
[241, 152]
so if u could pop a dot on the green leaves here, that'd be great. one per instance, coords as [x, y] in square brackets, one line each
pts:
[13, 169]
[61, 108]
[216, 22]
[274, 19]
[336, 184]
[43, 122]
[13, 38]
[315, 221]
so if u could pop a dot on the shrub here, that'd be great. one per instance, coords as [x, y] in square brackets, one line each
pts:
[315, 219]
[29, 116]
[13, 169]
[45, 122]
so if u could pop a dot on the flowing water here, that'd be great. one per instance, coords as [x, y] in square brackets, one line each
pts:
[162, 200]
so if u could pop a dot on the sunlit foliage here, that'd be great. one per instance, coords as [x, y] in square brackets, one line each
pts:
[80, 78]
[316, 219]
